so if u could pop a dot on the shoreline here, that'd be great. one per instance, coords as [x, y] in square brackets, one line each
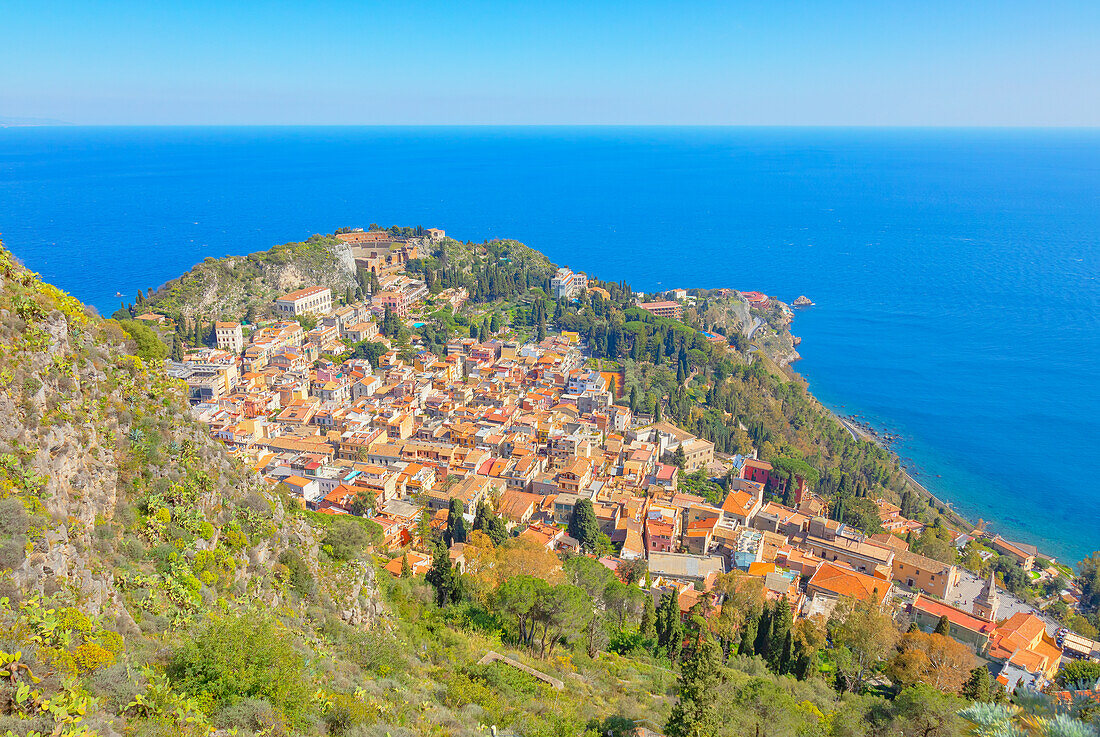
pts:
[948, 508]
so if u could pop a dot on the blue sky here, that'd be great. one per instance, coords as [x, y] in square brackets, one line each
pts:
[772, 62]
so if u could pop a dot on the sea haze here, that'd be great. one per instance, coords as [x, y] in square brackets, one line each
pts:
[955, 271]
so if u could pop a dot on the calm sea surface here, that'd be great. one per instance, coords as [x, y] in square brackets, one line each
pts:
[955, 271]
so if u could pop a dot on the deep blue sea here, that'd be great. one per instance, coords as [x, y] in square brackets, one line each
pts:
[955, 271]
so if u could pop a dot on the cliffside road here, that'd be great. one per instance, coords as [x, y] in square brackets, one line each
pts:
[757, 323]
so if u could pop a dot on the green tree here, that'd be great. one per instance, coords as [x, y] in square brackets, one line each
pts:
[922, 711]
[363, 502]
[443, 578]
[869, 635]
[748, 634]
[779, 649]
[583, 526]
[977, 686]
[490, 523]
[695, 713]
[1082, 673]
[406, 569]
[149, 347]
[517, 597]
[562, 611]
[670, 629]
[1088, 578]
[457, 528]
[943, 627]
[647, 627]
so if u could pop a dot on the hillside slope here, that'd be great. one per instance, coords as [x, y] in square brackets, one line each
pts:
[123, 527]
[237, 286]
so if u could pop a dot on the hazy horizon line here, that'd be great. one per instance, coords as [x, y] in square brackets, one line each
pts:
[908, 126]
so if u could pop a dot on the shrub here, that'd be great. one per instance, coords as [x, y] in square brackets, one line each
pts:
[345, 538]
[255, 715]
[298, 576]
[13, 517]
[248, 656]
[12, 553]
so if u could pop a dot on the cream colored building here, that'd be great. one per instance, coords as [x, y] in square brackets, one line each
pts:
[230, 336]
[308, 301]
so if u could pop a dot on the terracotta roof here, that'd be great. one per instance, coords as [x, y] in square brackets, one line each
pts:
[844, 581]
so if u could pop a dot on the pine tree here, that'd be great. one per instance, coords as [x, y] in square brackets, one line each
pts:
[943, 627]
[177, 348]
[583, 526]
[978, 686]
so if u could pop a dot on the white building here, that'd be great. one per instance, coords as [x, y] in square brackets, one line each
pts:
[566, 284]
[230, 337]
[308, 301]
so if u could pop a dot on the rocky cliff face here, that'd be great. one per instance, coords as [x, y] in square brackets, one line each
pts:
[115, 504]
[235, 287]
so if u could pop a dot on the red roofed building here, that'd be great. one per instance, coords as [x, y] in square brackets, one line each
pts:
[1022, 640]
[835, 580]
[756, 299]
[972, 631]
[756, 470]
[663, 309]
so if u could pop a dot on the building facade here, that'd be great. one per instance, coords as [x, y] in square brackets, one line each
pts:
[308, 301]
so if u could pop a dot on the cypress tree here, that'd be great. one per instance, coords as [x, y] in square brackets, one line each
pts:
[583, 526]
[442, 577]
[406, 569]
[786, 660]
[943, 627]
[695, 713]
[780, 634]
[763, 634]
[670, 631]
[457, 529]
[646, 628]
[748, 634]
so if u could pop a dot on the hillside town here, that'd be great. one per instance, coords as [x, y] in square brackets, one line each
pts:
[533, 431]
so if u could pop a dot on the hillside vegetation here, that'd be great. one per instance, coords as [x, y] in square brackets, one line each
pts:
[243, 287]
[151, 585]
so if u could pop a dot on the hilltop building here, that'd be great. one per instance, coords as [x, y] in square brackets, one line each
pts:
[567, 284]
